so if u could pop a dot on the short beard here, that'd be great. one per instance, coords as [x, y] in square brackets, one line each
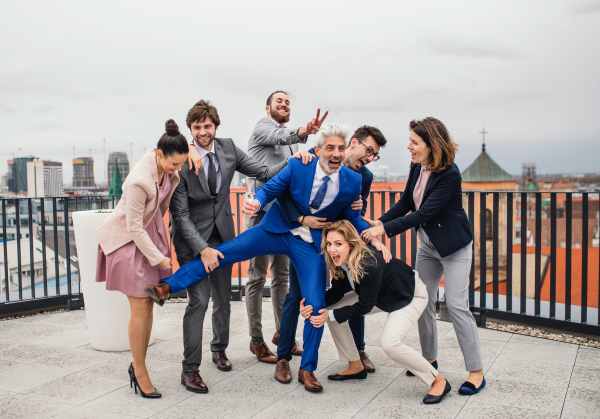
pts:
[326, 166]
[212, 138]
[279, 118]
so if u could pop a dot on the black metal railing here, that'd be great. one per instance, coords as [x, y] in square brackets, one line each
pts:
[534, 260]
[38, 284]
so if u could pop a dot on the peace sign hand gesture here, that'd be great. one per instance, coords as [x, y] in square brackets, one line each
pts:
[313, 126]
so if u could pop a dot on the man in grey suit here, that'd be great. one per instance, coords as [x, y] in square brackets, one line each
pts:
[202, 220]
[271, 143]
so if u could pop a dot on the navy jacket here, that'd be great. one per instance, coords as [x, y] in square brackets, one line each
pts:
[389, 286]
[441, 214]
[292, 212]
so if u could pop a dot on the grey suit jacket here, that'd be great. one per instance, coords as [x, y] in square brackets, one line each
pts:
[270, 144]
[195, 213]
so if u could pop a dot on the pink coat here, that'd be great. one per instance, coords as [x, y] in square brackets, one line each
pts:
[136, 209]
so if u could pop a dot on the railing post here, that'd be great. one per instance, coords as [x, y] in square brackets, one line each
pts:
[482, 252]
[553, 255]
[523, 308]
[568, 239]
[31, 250]
[5, 248]
[18, 239]
[538, 252]
[584, 256]
[495, 248]
[471, 207]
[509, 250]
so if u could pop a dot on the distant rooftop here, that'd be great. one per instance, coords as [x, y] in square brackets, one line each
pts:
[484, 169]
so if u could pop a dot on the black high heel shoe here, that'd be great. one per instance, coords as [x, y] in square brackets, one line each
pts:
[134, 383]
[130, 370]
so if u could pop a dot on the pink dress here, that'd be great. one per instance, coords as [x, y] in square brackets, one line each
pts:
[127, 269]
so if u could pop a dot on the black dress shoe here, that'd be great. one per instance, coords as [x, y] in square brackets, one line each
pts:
[430, 399]
[358, 376]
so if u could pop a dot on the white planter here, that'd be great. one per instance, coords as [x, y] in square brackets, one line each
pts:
[107, 312]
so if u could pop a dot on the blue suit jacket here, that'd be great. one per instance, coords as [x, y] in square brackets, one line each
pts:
[297, 178]
[292, 212]
[441, 214]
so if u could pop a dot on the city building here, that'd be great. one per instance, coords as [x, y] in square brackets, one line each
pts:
[123, 162]
[19, 173]
[44, 178]
[83, 172]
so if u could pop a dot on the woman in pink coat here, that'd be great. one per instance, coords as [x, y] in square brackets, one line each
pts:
[133, 249]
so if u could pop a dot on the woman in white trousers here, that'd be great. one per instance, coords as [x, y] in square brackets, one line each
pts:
[377, 286]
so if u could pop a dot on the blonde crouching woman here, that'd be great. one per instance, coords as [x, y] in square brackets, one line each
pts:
[377, 286]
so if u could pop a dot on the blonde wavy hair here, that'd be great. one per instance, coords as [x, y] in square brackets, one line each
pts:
[359, 252]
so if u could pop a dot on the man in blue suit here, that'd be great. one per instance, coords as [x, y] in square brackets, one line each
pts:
[362, 149]
[324, 188]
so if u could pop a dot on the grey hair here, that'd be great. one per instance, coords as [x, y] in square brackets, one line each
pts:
[327, 130]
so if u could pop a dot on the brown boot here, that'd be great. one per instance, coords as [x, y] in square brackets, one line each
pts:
[160, 293]
[275, 339]
[283, 374]
[364, 358]
[309, 380]
[263, 353]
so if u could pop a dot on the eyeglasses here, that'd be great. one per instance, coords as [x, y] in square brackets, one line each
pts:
[370, 151]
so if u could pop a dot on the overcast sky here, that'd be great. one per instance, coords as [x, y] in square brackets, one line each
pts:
[75, 72]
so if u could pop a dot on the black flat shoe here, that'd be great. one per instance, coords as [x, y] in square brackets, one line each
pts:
[430, 399]
[358, 376]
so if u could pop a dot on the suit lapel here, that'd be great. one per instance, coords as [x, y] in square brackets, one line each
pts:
[429, 186]
[417, 169]
[203, 181]
[308, 182]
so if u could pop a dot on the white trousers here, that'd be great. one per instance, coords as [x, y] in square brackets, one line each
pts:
[396, 327]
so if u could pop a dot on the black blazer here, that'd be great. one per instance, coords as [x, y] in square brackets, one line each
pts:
[441, 214]
[292, 212]
[389, 286]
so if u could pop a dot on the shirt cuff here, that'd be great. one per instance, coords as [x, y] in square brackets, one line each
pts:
[331, 316]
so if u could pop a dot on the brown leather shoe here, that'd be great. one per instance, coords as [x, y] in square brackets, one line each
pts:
[160, 293]
[364, 358]
[295, 349]
[193, 382]
[309, 380]
[263, 353]
[283, 374]
[220, 358]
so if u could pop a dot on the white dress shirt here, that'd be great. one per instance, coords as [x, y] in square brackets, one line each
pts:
[206, 162]
[333, 187]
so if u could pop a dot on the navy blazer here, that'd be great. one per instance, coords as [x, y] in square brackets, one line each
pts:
[297, 178]
[292, 212]
[389, 286]
[441, 214]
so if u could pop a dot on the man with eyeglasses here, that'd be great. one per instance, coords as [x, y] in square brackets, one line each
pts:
[362, 150]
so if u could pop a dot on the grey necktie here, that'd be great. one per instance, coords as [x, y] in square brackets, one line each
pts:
[212, 175]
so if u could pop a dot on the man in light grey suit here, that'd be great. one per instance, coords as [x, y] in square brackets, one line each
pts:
[271, 143]
[202, 220]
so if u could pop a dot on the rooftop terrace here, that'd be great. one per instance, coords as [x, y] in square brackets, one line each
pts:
[47, 369]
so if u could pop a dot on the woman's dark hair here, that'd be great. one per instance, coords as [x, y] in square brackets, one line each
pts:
[172, 142]
[435, 134]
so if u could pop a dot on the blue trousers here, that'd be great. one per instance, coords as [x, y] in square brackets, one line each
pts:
[311, 278]
[289, 321]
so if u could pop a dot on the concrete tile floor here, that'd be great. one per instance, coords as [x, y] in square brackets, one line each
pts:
[48, 369]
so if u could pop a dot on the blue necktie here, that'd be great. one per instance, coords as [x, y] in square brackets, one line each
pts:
[320, 196]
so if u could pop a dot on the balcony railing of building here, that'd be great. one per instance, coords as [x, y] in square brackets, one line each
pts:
[539, 250]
